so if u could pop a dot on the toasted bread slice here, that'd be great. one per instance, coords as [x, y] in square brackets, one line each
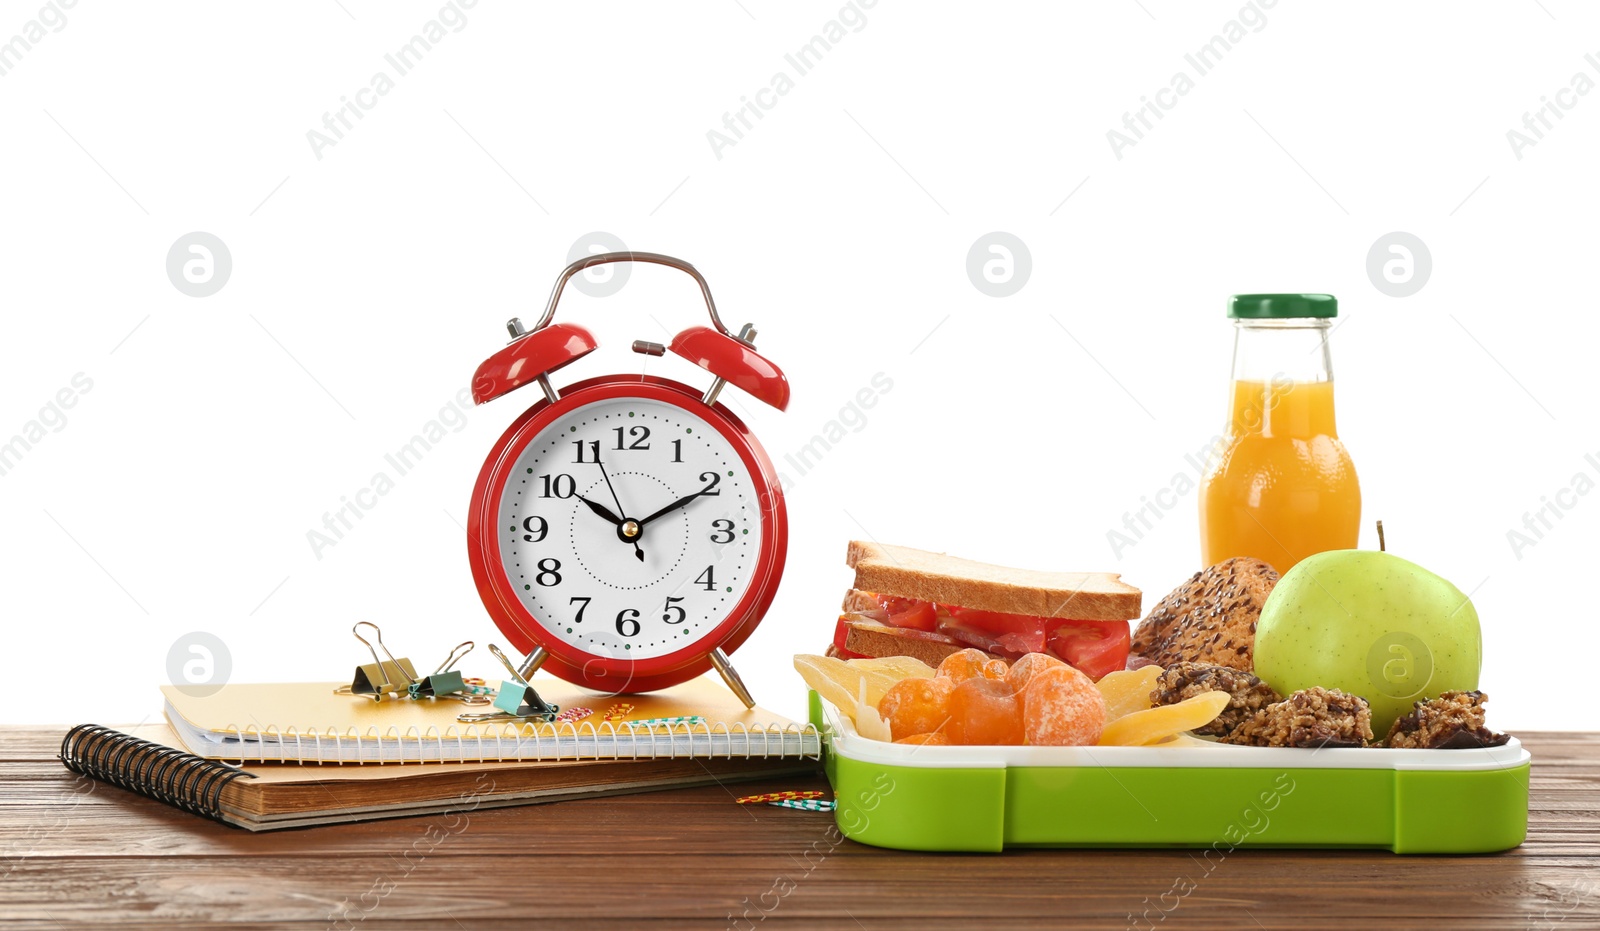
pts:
[871, 639]
[1211, 618]
[913, 573]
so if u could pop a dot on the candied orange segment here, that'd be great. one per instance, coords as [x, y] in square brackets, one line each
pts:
[1062, 708]
[984, 711]
[1156, 724]
[916, 706]
[1128, 690]
[965, 664]
[926, 740]
[1024, 669]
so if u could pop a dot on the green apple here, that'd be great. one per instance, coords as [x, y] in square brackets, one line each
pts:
[1371, 624]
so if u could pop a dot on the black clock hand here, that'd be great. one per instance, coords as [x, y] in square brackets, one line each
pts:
[601, 510]
[614, 499]
[674, 506]
[633, 537]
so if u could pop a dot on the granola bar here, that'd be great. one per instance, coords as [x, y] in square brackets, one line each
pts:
[1453, 721]
[1314, 717]
[1246, 693]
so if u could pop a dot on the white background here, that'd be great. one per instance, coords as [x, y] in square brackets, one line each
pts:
[368, 284]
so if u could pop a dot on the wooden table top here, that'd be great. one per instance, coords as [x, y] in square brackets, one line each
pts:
[693, 858]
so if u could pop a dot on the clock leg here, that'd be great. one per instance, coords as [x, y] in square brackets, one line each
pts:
[531, 664]
[730, 675]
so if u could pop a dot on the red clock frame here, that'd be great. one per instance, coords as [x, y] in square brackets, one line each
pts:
[608, 674]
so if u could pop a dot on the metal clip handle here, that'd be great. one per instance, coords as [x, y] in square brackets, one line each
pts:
[654, 258]
[378, 636]
[461, 650]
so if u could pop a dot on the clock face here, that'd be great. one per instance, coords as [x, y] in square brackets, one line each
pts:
[630, 528]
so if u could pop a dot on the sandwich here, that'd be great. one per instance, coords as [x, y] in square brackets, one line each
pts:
[909, 602]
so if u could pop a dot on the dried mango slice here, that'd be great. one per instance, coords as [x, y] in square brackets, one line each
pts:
[902, 667]
[869, 723]
[1128, 690]
[1156, 724]
[840, 682]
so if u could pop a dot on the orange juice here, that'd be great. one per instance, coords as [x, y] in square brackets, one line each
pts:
[1284, 487]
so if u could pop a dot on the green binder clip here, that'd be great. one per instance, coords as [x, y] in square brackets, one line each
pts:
[379, 678]
[446, 682]
[516, 698]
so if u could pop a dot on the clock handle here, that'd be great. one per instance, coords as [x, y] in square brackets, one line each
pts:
[654, 258]
[730, 675]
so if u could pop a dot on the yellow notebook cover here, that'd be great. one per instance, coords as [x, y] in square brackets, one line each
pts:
[309, 722]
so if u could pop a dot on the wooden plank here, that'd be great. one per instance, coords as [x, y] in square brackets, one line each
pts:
[1103, 885]
[691, 857]
[116, 823]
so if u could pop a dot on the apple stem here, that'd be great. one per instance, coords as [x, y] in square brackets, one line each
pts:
[1381, 548]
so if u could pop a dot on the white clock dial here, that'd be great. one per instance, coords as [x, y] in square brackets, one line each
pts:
[614, 467]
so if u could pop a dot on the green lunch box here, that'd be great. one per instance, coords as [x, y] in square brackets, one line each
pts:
[1201, 794]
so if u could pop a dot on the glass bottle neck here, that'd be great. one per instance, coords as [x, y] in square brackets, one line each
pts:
[1282, 378]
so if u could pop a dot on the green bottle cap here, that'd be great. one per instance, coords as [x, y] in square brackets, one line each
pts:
[1282, 306]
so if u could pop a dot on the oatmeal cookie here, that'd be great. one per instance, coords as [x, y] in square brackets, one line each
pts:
[1247, 694]
[1453, 721]
[1314, 717]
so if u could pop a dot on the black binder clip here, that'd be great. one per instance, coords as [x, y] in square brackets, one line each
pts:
[516, 700]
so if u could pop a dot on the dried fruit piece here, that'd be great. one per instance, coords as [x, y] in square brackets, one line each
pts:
[1247, 693]
[916, 706]
[939, 739]
[965, 664]
[900, 667]
[840, 681]
[1024, 669]
[984, 711]
[1128, 690]
[1148, 727]
[1062, 708]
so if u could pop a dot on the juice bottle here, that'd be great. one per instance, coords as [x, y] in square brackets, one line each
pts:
[1283, 487]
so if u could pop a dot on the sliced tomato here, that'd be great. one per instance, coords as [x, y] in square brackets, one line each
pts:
[1094, 648]
[909, 613]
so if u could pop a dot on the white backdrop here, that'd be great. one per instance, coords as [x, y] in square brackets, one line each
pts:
[372, 270]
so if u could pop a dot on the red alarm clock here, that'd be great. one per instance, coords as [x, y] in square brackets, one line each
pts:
[628, 532]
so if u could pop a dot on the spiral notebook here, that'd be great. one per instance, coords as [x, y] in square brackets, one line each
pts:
[307, 722]
[150, 760]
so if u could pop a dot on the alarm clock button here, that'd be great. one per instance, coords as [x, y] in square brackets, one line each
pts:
[735, 363]
[538, 353]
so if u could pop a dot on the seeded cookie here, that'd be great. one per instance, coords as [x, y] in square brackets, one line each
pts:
[1211, 618]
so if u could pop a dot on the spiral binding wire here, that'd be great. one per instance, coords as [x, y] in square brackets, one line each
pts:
[512, 742]
[167, 774]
